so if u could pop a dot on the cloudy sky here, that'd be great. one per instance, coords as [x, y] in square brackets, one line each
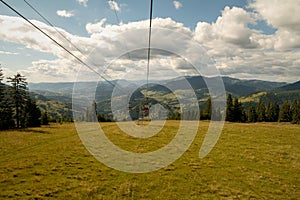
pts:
[255, 39]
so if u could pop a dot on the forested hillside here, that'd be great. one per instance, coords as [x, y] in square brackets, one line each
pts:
[57, 97]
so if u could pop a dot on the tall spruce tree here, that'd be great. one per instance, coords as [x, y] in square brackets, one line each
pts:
[2, 92]
[296, 112]
[229, 109]
[243, 117]
[261, 112]
[6, 120]
[285, 112]
[45, 118]
[33, 114]
[272, 112]
[238, 111]
[275, 111]
[19, 97]
[207, 111]
[269, 112]
[252, 116]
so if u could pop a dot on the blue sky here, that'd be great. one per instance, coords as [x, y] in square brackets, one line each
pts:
[248, 39]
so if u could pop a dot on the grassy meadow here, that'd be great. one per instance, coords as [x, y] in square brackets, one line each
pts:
[250, 161]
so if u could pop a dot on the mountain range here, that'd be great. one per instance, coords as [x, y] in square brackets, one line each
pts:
[57, 97]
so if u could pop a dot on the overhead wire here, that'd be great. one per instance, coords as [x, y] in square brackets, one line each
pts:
[149, 44]
[126, 48]
[149, 53]
[49, 23]
[119, 22]
[56, 42]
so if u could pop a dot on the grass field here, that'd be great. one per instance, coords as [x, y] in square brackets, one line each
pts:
[250, 161]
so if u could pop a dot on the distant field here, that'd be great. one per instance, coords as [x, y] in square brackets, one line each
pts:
[250, 161]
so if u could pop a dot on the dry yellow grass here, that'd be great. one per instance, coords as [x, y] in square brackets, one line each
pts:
[250, 161]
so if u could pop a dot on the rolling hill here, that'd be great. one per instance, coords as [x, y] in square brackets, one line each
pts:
[57, 97]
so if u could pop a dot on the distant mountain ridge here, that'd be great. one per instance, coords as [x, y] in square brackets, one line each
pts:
[60, 94]
[235, 86]
[289, 87]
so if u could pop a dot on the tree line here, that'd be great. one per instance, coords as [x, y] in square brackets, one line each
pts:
[17, 109]
[248, 112]
[262, 112]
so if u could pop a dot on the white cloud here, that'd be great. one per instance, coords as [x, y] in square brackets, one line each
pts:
[239, 51]
[52, 70]
[230, 29]
[114, 5]
[83, 2]
[279, 14]
[284, 16]
[65, 13]
[8, 53]
[95, 27]
[177, 4]
[244, 52]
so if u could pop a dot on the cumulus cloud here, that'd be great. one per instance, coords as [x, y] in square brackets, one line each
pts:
[114, 5]
[95, 27]
[65, 13]
[83, 2]
[279, 14]
[244, 52]
[177, 4]
[121, 50]
[284, 16]
[230, 29]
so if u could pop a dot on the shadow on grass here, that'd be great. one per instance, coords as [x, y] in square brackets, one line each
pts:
[34, 131]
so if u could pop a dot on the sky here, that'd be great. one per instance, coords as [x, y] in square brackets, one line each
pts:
[254, 39]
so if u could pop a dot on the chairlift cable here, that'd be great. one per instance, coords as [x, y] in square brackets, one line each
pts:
[56, 42]
[49, 23]
[149, 49]
[59, 32]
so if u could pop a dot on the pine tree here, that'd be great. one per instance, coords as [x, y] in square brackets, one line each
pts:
[33, 114]
[285, 112]
[252, 117]
[244, 115]
[272, 112]
[45, 118]
[19, 97]
[275, 112]
[2, 88]
[6, 120]
[1, 79]
[229, 109]
[296, 112]
[261, 112]
[238, 111]
[207, 111]
[269, 112]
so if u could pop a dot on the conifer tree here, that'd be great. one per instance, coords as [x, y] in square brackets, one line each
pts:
[207, 111]
[19, 97]
[33, 114]
[252, 117]
[275, 112]
[261, 112]
[272, 112]
[238, 111]
[296, 112]
[1, 90]
[6, 120]
[285, 112]
[229, 109]
[45, 118]
[243, 117]
[269, 112]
